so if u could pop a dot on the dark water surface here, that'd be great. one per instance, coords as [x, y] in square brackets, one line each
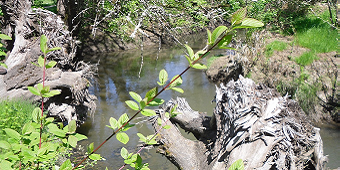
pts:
[118, 74]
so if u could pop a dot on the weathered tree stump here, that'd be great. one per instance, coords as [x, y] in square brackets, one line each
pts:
[25, 25]
[250, 122]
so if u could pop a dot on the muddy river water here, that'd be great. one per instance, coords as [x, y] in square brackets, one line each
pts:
[119, 73]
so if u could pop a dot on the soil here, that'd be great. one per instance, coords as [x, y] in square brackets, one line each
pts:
[281, 70]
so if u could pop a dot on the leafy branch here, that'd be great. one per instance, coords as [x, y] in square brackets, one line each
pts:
[220, 37]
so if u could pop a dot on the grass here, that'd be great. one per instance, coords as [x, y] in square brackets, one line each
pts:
[275, 46]
[50, 5]
[315, 34]
[14, 114]
[211, 59]
[306, 58]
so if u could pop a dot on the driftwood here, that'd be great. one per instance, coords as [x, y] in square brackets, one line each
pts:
[70, 76]
[250, 122]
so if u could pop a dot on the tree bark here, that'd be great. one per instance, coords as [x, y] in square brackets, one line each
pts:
[25, 26]
[250, 122]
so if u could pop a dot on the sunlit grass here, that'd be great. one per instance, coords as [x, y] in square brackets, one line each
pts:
[14, 114]
[306, 58]
[315, 34]
[275, 46]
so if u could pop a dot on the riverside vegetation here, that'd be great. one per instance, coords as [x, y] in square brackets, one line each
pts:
[42, 139]
[122, 137]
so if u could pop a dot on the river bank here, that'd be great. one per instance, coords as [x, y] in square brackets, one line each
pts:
[313, 85]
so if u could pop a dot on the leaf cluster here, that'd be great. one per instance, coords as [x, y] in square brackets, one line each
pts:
[134, 160]
[22, 148]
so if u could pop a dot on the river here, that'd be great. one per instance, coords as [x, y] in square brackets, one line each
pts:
[118, 73]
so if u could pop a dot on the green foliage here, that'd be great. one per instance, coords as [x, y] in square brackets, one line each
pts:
[48, 4]
[2, 49]
[306, 58]
[274, 46]
[237, 165]
[319, 38]
[22, 148]
[301, 91]
[14, 114]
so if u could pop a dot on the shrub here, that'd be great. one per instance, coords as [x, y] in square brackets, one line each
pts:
[14, 114]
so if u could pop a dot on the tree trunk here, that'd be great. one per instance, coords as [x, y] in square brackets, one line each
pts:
[250, 122]
[26, 26]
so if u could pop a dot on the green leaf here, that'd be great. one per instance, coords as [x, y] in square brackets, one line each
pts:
[200, 53]
[250, 23]
[148, 112]
[159, 121]
[176, 82]
[51, 64]
[225, 42]
[28, 128]
[40, 87]
[41, 61]
[122, 137]
[5, 37]
[72, 126]
[237, 165]
[53, 49]
[199, 66]
[4, 144]
[6, 164]
[138, 162]
[27, 153]
[189, 60]
[217, 33]
[33, 90]
[52, 93]
[151, 140]
[163, 77]
[142, 103]
[12, 133]
[135, 96]
[90, 148]
[190, 51]
[123, 119]
[3, 64]
[141, 137]
[43, 44]
[131, 160]
[124, 153]
[45, 89]
[167, 127]
[80, 136]
[72, 140]
[113, 123]
[67, 165]
[36, 115]
[156, 102]
[133, 105]
[2, 53]
[238, 16]
[209, 37]
[53, 128]
[151, 93]
[180, 90]
[167, 114]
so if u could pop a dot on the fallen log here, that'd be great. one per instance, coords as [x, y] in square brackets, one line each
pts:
[250, 122]
[25, 25]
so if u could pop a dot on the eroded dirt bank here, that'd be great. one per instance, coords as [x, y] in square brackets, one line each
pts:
[314, 86]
